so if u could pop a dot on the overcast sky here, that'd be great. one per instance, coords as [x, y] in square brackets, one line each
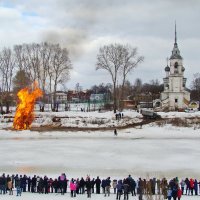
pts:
[83, 26]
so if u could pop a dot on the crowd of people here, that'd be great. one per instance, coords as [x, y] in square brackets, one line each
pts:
[172, 189]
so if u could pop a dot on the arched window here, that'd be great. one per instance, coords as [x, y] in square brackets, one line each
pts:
[176, 65]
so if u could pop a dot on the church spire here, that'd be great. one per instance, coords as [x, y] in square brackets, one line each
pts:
[175, 51]
[175, 34]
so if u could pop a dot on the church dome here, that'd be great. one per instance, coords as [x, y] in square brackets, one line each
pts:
[167, 69]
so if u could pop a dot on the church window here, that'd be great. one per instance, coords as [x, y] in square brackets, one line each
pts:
[176, 100]
[176, 65]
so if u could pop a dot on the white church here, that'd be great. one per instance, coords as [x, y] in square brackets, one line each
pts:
[175, 95]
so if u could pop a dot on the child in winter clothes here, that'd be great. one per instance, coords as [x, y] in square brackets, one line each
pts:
[73, 188]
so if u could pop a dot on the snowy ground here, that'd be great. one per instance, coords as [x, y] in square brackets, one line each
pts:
[92, 119]
[29, 196]
[78, 119]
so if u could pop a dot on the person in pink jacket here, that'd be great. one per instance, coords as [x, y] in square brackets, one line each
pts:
[72, 186]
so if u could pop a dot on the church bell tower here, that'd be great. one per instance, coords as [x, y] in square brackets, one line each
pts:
[175, 95]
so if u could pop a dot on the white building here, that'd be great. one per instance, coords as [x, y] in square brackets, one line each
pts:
[175, 95]
[97, 97]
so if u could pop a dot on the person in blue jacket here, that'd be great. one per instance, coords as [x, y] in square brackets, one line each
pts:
[119, 189]
[196, 187]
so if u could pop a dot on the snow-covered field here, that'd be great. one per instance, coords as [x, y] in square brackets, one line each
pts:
[78, 119]
[92, 119]
[28, 196]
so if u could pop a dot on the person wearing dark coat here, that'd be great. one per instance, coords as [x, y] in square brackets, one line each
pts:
[187, 182]
[55, 185]
[88, 187]
[126, 189]
[103, 185]
[65, 185]
[8, 179]
[119, 187]
[174, 192]
[132, 185]
[92, 185]
[115, 132]
[46, 185]
[153, 186]
[107, 186]
[116, 116]
[18, 185]
[29, 183]
[15, 177]
[98, 185]
[24, 183]
[41, 186]
[77, 186]
[195, 187]
[2, 184]
[21, 183]
[51, 185]
[140, 189]
[33, 184]
[82, 186]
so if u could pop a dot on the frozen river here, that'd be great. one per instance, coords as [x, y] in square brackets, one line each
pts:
[150, 151]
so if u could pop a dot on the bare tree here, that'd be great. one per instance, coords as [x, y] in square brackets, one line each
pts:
[110, 58]
[45, 57]
[117, 60]
[60, 68]
[195, 86]
[131, 59]
[138, 85]
[46, 63]
[6, 70]
[20, 61]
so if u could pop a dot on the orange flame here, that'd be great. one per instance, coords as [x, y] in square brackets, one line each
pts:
[24, 115]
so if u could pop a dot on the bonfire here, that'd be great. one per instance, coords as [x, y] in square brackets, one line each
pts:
[24, 115]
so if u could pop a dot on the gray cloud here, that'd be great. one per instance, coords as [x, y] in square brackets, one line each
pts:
[83, 26]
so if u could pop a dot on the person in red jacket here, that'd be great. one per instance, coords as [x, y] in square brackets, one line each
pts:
[179, 193]
[191, 186]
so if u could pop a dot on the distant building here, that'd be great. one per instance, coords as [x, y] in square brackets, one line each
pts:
[128, 104]
[78, 96]
[60, 97]
[175, 95]
[97, 97]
